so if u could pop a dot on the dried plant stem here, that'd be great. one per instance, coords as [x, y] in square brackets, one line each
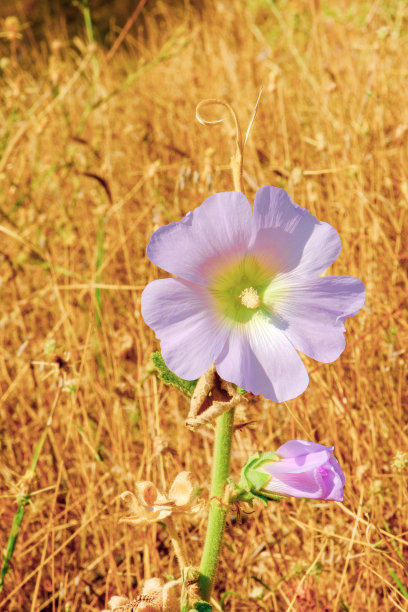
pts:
[124, 32]
[237, 168]
[177, 544]
[218, 510]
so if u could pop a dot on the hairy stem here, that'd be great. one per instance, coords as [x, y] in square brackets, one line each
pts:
[218, 510]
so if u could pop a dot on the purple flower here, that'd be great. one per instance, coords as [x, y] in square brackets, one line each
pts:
[249, 295]
[298, 469]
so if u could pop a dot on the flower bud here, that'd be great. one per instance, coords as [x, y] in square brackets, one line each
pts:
[299, 469]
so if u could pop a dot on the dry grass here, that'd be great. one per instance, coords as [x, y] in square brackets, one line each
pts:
[92, 161]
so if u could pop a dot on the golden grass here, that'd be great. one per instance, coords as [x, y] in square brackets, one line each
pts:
[94, 156]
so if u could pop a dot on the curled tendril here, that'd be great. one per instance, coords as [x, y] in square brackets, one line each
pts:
[237, 157]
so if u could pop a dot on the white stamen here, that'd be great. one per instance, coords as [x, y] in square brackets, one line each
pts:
[250, 298]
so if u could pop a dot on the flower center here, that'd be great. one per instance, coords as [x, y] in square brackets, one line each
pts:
[249, 297]
[237, 287]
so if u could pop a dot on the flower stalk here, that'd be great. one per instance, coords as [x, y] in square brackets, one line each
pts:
[218, 509]
[224, 423]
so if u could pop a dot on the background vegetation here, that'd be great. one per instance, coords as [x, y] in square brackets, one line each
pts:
[98, 147]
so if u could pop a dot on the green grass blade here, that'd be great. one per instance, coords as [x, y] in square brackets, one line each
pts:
[398, 583]
[22, 503]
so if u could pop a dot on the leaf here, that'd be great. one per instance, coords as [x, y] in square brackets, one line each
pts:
[169, 378]
[202, 606]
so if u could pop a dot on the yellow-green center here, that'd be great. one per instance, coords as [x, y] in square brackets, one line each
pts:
[238, 288]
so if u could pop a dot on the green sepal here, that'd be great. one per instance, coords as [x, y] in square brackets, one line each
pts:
[266, 496]
[252, 475]
[242, 494]
[169, 378]
[254, 479]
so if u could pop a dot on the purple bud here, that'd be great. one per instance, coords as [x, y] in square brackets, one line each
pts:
[305, 469]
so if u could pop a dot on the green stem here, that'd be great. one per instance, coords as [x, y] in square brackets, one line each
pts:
[218, 510]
